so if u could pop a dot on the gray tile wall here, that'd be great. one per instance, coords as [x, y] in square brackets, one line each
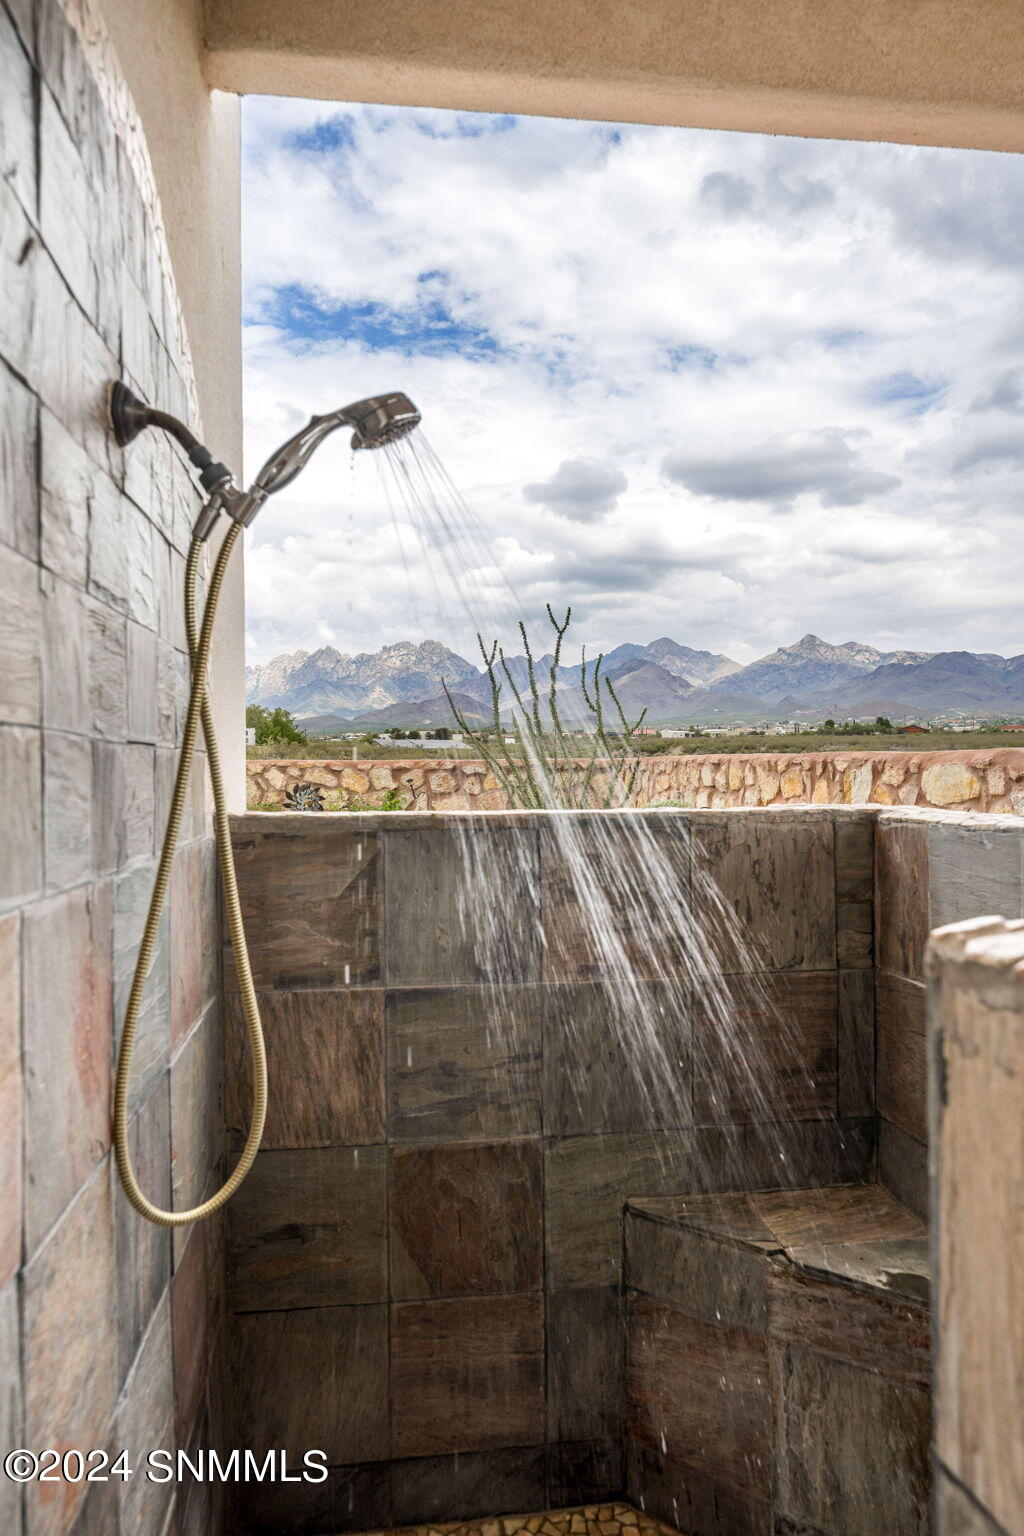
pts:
[425, 1264]
[931, 868]
[116, 1331]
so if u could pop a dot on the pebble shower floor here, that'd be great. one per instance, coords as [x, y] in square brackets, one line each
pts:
[585, 1520]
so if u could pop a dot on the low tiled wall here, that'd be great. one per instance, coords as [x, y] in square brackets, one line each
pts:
[932, 868]
[990, 781]
[976, 1008]
[425, 1263]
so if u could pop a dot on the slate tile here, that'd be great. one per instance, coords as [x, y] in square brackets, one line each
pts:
[192, 1289]
[21, 260]
[10, 1096]
[20, 681]
[107, 671]
[584, 1471]
[70, 207]
[426, 1489]
[861, 1327]
[616, 1059]
[67, 475]
[19, 435]
[325, 1068]
[974, 871]
[314, 1377]
[718, 1281]
[587, 1182]
[467, 1375]
[308, 1229]
[141, 676]
[152, 1049]
[11, 1429]
[690, 1500]
[70, 1336]
[675, 1368]
[21, 869]
[461, 908]
[855, 895]
[901, 896]
[463, 1062]
[856, 1042]
[67, 1037]
[764, 891]
[599, 921]
[350, 1499]
[195, 1115]
[902, 1054]
[193, 914]
[586, 1347]
[143, 1249]
[65, 656]
[123, 804]
[17, 117]
[99, 1514]
[903, 1167]
[768, 1050]
[145, 1422]
[67, 785]
[784, 1154]
[466, 1219]
[842, 1435]
[310, 895]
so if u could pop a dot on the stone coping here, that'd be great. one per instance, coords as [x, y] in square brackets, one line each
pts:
[356, 821]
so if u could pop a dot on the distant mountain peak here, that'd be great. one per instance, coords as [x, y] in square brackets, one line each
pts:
[404, 680]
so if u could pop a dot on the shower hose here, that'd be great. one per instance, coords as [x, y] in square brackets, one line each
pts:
[199, 645]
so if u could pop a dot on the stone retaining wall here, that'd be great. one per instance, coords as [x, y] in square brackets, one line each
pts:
[990, 780]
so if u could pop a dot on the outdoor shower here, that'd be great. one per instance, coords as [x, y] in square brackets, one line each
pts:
[375, 422]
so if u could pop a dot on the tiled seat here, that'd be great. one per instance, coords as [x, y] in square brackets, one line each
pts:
[778, 1363]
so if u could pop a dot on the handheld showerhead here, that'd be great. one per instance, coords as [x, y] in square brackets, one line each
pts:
[381, 420]
[376, 421]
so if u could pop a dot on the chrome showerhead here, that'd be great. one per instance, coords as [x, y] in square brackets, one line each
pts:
[377, 421]
[381, 420]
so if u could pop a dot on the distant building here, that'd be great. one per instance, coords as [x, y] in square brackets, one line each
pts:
[250, 735]
[916, 730]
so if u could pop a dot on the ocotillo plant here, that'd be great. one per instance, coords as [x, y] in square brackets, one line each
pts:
[547, 765]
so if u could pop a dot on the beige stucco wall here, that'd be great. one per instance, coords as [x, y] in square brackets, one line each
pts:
[192, 134]
[916, 71]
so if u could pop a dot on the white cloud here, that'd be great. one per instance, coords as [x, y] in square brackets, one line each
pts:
[780, 323]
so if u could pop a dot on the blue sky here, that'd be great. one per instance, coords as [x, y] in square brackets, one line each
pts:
[722, 387]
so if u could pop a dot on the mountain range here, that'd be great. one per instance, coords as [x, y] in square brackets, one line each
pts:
[402, 684]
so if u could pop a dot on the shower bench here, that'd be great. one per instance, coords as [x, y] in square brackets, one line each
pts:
[778, 1363]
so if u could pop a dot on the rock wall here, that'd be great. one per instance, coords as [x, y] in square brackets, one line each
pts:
[991, 780]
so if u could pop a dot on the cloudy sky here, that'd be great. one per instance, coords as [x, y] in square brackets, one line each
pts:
[715, 386]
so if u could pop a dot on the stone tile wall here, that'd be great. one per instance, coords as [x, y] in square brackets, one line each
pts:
[931, 868]
[117, 1327]
[425, 1263]
[991, 781]
[778, 1363]
[976, 1008]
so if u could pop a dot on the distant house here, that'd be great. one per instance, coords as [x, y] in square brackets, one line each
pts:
[1011, 727]
[916, 730]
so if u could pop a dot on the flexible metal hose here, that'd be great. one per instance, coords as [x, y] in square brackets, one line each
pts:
[199, 711]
